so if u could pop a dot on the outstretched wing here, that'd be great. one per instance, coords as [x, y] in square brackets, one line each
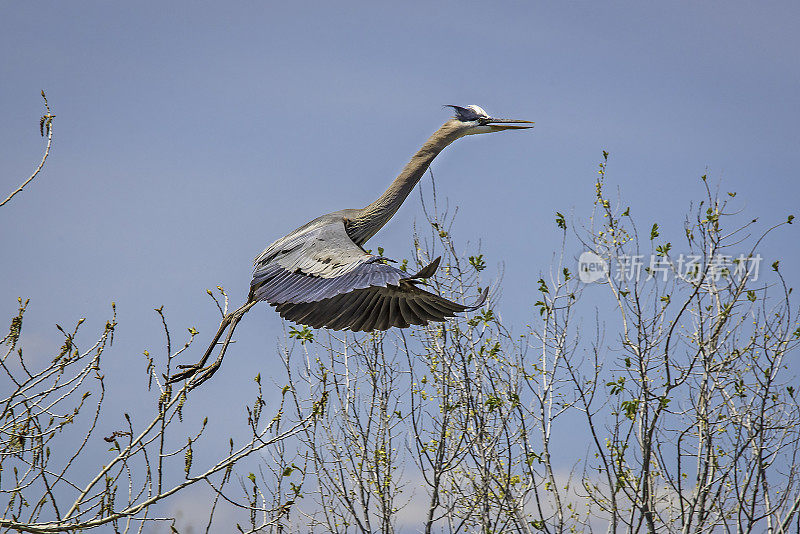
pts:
[376, 308]
[319, 277]
[316, 262]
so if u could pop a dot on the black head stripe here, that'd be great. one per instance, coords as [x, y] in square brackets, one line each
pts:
[464, 114]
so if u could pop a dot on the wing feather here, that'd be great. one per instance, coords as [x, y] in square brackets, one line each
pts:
[339, 320]
[362, 317]
[395, 316]
[382, 315]
[423, 313]
[374, 308]
[408, 315]
[429, 306]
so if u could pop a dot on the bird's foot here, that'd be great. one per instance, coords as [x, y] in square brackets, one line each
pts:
[203, 374]
[187, 372]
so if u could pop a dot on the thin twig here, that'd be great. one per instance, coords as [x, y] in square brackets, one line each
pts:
[45, 124]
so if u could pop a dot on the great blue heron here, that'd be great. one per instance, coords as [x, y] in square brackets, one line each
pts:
[319, 275]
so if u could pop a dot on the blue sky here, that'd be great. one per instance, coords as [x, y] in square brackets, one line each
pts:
[189, 135]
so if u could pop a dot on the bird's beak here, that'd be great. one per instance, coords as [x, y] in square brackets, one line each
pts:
[498, 125]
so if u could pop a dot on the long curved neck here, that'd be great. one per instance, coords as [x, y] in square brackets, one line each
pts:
[372, 218]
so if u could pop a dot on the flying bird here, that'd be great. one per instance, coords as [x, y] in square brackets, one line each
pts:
[319, 275]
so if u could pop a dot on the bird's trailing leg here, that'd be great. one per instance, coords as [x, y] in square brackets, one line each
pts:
[207, 372]
[229, 322]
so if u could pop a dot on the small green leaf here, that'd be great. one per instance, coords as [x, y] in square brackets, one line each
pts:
[561, 222]
[630, 408]
[654, 231]
[477, 262]
[486, 316]
[304, 335]
[543, 286]
[618, 386]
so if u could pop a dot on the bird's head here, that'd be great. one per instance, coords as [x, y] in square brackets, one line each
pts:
[474, 120]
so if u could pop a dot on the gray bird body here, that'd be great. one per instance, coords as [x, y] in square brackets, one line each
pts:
[319, 274]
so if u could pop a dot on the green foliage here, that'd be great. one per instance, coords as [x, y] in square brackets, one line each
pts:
[493, 402]
[477, 262]
[617, 386]
[486, 316]
[542, 286]
[304, 335]
[630, 408]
